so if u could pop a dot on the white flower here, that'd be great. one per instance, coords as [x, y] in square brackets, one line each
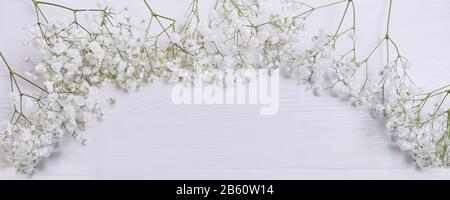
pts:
[73, 53]
[60, 47]
[97, 49]
[70, 111]
[40, 68]
[56, 66]
[45, 152]
[53, 97]
[191, 45]
[26, 134]
[49, 86]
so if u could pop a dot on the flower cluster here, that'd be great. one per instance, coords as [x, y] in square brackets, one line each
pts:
[78, 60]
[103, 45]
[238, 38]
[422, 126]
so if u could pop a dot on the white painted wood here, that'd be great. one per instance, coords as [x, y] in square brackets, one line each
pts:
[146, 136]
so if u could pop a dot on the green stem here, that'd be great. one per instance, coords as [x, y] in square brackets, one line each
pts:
[52, 4]
[10, 71]
[65, 7]
[157, 16]
[309, 11]
[330, 4]
[342, 19]
[30, 82]
[340, 23]
[354, 29]
[12, 75]
[389, 19]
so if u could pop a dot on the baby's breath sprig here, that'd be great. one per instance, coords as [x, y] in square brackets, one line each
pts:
[422, 127]
[20, 95]
[394, 68]
[159, 20]
[29, 134]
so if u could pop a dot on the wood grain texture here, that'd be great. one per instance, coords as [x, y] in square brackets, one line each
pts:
[146, 136]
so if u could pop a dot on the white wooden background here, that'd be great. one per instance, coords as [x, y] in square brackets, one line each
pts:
[145, 136]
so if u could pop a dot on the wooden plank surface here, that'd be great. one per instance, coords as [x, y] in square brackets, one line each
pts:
[146, 136]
